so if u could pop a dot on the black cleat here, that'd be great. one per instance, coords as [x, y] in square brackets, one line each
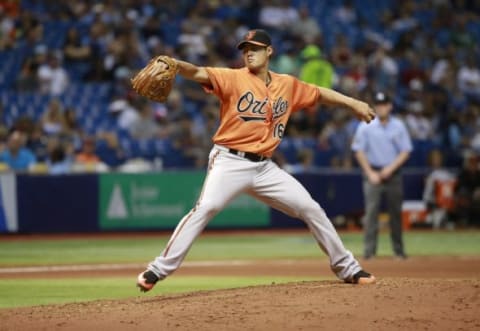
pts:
[146, 280]
[362, 278]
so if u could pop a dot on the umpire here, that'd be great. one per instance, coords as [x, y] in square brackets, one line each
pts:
[381, 148]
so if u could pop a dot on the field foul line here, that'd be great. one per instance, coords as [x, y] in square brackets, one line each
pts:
[99, 267]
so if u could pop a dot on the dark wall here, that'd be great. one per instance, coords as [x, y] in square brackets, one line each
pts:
[53, 204]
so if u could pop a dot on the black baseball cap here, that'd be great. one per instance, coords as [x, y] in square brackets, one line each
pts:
[381, 97]
[257, 37]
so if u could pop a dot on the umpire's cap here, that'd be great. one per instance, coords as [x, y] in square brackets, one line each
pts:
[257, 37]
[381, 97]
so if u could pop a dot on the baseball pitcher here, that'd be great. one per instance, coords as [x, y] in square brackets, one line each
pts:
[255, 106]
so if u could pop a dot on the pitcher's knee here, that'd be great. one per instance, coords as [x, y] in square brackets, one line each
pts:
[210, 208]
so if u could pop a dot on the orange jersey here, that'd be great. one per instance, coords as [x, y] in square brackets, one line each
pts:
[253, 116]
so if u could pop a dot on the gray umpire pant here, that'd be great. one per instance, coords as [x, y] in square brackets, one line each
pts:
[392, 190]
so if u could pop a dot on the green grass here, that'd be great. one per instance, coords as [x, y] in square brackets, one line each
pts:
[130, 249]
[423, 243]
[77, 251]
[221, 247]
[57, 291]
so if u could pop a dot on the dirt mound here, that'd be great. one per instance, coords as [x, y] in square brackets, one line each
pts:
[392, 304]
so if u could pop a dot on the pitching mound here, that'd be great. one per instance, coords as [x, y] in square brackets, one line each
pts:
[417, 294]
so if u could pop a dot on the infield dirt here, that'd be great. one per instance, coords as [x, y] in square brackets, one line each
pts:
[421, 293]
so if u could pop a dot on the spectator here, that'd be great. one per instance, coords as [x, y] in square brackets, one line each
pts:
[383, 68]
[225, 45]
[52, 77]
[7, 30]
[419, 125]
[346, 13]
[53, 121]
[414, 96]
[58, 162]
[123, 113]
[109, 150]
[278, 15]
[337, 137]
[204, 131]
[27, 77]
[10, 7]
[438, 193]
[421, 41]
[97, 72]
[468, 79]
[87, 159]
[37, 143]
[453, 135]
[356, 73]
[413, 70]
[405, 20]
[184, 140]
[3, 137]
[195, 31]
[442, 70]
[287, 62]
[24, 124]
[341, 52]
[29, 30]
[87, 154]
[16, 155]
[315, 69]
[73, 131]
[469, 126]
[144, 127]
[461, 36]
[307, 27]
[76, 49]
[193, 42]
[475, 141]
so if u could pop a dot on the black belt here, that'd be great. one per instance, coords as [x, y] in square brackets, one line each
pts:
[248, 155]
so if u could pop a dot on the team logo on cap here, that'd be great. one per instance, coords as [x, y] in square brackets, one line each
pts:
[250, 35]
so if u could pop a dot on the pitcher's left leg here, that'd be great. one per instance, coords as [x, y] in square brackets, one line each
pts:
[283, 192]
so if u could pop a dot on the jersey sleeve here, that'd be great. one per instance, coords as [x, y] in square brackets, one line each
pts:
[221, 79]
[304, 95]
[405, 140]
[359, 142]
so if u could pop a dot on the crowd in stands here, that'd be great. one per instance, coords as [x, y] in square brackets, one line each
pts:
[67, 104]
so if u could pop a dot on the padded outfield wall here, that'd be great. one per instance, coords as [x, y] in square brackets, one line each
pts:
[157, 201]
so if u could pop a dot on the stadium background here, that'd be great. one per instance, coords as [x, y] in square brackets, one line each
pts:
[272, 279]
[65, 70]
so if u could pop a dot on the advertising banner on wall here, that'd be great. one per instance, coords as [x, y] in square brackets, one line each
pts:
[160, 200]
[8, 203]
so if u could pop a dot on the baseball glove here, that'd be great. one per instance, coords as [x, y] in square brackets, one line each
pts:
[155, 80]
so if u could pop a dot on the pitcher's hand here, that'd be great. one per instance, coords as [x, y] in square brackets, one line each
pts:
[363, 111]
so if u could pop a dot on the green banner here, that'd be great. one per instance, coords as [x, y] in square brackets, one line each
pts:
[160, 200]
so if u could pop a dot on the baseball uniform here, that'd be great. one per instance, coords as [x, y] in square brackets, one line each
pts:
[253, 117]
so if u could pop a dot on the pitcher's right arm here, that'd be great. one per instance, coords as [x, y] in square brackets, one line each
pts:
[193, 72]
